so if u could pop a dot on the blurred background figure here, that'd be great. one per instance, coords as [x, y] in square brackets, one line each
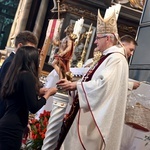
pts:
[130, 44]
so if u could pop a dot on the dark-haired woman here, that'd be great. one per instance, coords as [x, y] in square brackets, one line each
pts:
[20, 90]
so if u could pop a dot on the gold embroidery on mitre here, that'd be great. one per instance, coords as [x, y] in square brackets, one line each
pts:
[108, 25]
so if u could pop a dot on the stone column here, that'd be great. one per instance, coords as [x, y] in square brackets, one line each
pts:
[60, 103]
[40, 18]
[20, 20]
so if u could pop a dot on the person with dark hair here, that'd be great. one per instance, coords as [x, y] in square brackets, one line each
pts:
[129, 133]
[130, 44]
[23, 38]
[20, 91]
[26, 38]
[129, 39]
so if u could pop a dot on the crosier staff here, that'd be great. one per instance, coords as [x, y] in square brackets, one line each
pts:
[80, 63]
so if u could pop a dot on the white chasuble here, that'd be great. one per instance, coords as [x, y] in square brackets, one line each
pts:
[99, 122]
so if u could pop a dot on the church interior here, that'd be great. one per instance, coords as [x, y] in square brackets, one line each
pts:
[39, 13]
[50, 18]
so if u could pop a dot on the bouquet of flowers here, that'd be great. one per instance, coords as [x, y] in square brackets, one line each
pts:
[37, 131]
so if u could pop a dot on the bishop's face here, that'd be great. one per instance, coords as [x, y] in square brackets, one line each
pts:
[100, 41]
[129, 48]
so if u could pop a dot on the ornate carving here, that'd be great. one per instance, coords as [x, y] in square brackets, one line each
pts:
[138, 4]
[127, 29]
[78, 11]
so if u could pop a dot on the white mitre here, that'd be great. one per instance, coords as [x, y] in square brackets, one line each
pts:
[108, 24]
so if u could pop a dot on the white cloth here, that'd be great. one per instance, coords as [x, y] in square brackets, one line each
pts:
[51, 81]
[88, 62]
[130, 85]
[128, 138]
[106, 93]
[134, 139]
